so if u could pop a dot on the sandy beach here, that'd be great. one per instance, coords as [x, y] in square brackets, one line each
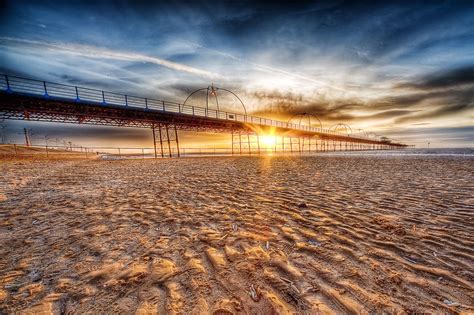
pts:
[245, 235]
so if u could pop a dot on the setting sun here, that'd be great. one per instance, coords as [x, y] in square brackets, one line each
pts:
[267, 141]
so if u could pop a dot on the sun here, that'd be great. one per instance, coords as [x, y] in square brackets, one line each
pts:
[267, 141]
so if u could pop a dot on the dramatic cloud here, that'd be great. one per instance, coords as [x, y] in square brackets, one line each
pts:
[444, 79]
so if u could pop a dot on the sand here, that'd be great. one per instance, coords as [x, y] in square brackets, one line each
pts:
[324, 234]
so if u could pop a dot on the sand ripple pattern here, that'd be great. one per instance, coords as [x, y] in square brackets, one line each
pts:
[309, 235]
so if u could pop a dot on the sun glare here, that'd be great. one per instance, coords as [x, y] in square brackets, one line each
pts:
[267, 141]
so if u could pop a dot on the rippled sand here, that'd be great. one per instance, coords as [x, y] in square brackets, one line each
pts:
[263, 235]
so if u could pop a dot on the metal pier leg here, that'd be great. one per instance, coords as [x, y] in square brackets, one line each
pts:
[169, 142]
[299, 144]
[161, 141]
[258, 144]
[232, 140]
[240, 142]
[248, 141]
[154, 139]
[283, 144]
[291, 145]
[177, 140]
[27, 141]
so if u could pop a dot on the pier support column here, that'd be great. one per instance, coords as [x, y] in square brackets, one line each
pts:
[169, 141]
[161, 142]
[166, 138]
[258, 144]
[248, 142]
[154, 140]
[177, 140]
[232, 141]
[240, 143]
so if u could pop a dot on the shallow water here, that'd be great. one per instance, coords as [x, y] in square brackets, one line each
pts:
[348, 233]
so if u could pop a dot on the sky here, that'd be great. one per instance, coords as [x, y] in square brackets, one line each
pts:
[399, 69]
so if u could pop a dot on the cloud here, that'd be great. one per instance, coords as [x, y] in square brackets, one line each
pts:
[274, 70]
[443, 79]
[402, 108]
[289, 104]
[441, 111]
[95, 52]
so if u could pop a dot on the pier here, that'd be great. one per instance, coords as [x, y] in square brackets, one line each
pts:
[36, 100]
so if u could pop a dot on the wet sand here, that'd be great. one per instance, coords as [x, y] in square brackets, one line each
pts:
[324, 234]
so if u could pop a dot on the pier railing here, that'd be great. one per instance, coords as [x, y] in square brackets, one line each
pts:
[19, 85]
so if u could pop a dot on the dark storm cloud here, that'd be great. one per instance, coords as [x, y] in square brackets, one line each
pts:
[437, 112]
[443, 79]
[407, 107]
[444, 97]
